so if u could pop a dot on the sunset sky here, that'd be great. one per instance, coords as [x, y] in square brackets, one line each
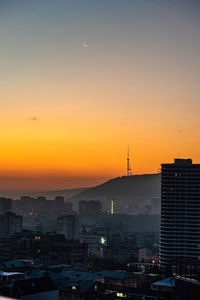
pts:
[80, 80]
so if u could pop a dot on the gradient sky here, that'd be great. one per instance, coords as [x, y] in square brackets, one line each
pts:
[80, 80]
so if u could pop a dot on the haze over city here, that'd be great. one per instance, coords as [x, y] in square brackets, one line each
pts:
[82, 80]
[99, 149]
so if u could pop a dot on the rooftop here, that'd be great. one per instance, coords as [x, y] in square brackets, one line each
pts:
[167, 282]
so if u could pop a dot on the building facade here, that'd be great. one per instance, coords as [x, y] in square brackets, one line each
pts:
[68, 225]
[91, 208]
[180, 212]
[10, 223]
[5, 205]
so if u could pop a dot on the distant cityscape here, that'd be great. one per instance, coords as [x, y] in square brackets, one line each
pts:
[87, 249]
[99, 150]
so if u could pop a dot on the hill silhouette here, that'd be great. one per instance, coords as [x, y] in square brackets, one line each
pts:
[135, 190]
[130, 194]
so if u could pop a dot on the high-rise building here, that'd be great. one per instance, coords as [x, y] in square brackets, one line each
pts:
[5, 205]
[68, 225]
[59, 200]
[180, 212]
[92, 208]
[61, 207]
[10, 223]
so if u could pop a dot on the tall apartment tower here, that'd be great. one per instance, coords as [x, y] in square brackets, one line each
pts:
[10, 223]
[5, 205]
[91, 208]
[68, 225]
[180, 212]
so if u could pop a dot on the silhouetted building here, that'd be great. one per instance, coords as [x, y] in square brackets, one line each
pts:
[67, 207]
[147, 209]
[68, 225]
[92, 208]
[155, 205]
[10, 223]
[44, 248]
[41, 207]
[59, 200]
[119, 254]
[5, 205]
[180, 212]
[61, 207]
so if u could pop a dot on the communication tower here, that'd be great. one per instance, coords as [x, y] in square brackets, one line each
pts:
[129, 171]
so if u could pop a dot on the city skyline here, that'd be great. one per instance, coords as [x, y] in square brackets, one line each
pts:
[81, 80]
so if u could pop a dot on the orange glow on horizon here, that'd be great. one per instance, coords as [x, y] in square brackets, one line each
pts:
[45, 155]
[68, 112]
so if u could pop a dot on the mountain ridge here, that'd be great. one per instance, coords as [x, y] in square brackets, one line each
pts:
[126, 191]
[130, 193]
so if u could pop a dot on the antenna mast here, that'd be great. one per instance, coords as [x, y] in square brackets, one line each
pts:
[129, 172]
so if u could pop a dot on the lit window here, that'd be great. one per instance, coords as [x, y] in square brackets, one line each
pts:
[96, 288]
[103, 240]
[121, 295]
[74, 287]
